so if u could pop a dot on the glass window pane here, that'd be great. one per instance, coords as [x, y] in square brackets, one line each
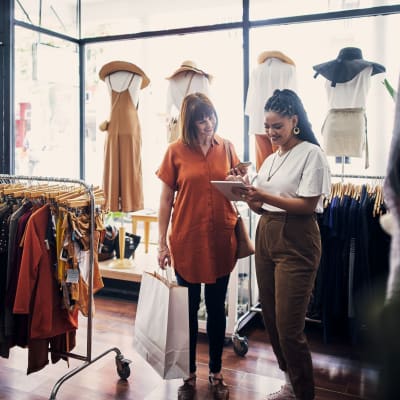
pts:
[46, 106]
[264, 9]
[59, 16]
[126, 16]
[322, 42]
[158, 58]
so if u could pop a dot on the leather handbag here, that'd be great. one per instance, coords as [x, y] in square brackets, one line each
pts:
[245, 246]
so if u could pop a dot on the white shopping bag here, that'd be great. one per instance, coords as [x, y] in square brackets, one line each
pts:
[162, 326]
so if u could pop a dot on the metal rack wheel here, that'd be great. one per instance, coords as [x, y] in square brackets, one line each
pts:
[123, 368]
[240, 345]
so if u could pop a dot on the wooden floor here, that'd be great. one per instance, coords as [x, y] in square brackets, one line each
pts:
[338, 373]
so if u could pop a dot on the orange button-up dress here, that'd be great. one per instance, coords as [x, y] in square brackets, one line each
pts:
[201, 236]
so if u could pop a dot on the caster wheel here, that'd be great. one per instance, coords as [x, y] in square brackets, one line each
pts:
[123, 368]
[240, 345]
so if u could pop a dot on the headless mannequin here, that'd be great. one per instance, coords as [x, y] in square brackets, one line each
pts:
[180, 85]
[348, 95]
[118, 82]
[273, 73]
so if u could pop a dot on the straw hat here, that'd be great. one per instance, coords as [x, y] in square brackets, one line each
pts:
[115, 66]
[274, 54]
[189, 65]
[346, 66]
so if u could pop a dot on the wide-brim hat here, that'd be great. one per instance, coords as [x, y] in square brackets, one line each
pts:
[346, 66]
[115, 66]
[274, 54]
[189, 65]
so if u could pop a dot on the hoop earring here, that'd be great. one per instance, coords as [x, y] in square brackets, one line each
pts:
[296, 130]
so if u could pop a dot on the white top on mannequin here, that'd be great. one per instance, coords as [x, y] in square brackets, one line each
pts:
[177, 89]
[119, 80]
[351, 94]
[268, 76]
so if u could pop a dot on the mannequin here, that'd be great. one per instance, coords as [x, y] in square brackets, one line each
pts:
[187, 79]
[274, 71]
[347, 84]
[122, 175]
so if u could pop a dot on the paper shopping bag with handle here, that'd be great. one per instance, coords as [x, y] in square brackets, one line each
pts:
[162, 326]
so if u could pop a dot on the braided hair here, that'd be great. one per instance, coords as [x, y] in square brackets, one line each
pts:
[287, 104]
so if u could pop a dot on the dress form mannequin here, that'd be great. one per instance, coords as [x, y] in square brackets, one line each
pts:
[347, 84]
[122, 175]
[185, 80]
[274, 71]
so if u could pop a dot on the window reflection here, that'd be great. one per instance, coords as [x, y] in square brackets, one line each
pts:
[47, 106]
[59, 16]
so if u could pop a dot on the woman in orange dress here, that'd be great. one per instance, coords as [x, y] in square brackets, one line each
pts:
[199, 239]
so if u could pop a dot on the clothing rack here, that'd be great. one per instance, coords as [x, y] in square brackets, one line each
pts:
[122, 364]
[357, 176]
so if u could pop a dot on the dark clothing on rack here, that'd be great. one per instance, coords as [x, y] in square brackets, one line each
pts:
[354, 265]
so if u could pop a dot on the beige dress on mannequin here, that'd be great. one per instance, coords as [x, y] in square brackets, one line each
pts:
[122, 176]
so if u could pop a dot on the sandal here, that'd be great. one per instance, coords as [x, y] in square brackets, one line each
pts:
[218, 387]
[188, 389]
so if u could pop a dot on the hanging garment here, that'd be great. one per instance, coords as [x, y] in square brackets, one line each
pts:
[122, 176]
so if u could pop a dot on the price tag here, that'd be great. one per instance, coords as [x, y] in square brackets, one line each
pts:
[72, 276]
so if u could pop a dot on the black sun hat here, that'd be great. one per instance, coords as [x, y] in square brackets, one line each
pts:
[346, 66]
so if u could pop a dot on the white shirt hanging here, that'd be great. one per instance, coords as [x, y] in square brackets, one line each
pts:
[272, 74]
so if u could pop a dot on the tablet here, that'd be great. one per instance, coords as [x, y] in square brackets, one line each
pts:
[226, 188]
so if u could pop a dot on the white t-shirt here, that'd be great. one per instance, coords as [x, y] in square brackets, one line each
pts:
[304, 172]
[351, 94]
[272, 74]
[119, 81]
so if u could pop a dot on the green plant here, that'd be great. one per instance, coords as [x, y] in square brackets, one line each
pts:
[390, 89]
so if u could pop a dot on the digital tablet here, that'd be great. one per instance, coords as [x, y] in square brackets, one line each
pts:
[226, 187]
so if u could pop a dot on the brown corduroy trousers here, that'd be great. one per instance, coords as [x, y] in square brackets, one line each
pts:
[288, 251]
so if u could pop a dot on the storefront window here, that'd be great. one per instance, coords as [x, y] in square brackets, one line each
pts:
[46, 106]
[159, 58]
[59, 16]
[102, 18]
[322, 41]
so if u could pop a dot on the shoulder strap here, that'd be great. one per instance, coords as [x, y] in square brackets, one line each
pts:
[119, 93]
[189, 83]
[228, 152]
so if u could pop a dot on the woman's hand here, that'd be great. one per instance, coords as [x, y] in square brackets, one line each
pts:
[164, 257]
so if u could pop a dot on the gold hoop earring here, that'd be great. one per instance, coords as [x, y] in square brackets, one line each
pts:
[296, 130]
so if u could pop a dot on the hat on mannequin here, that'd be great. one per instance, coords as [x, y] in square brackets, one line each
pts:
[274, 54]
[115, 66]
[346, 66]
[189, 65]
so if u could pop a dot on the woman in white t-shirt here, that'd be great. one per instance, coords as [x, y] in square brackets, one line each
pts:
[288, 193]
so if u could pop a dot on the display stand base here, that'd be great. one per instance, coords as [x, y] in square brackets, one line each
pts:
[121, 263]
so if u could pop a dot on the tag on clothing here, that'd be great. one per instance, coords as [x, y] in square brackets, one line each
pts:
[72, 276]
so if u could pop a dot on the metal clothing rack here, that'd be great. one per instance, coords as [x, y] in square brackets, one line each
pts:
[240, 343]
[357, 176]
[122, 364]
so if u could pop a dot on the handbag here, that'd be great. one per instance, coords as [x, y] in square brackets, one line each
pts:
[162, 326]
[245, 246]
